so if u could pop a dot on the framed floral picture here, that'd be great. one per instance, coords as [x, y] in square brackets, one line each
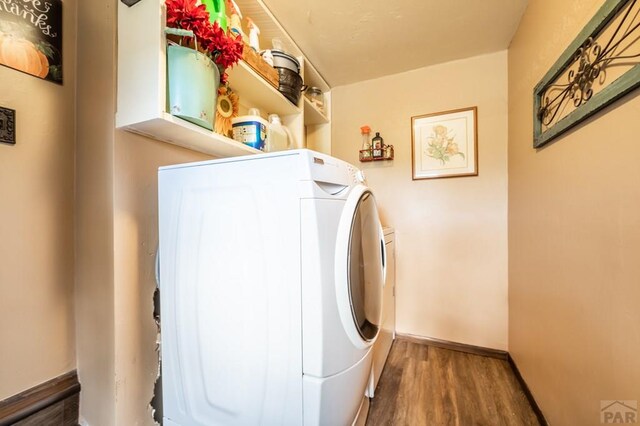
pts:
[445, 144]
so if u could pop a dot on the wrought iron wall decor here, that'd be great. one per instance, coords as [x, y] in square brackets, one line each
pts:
[600, 66]
[7, 126]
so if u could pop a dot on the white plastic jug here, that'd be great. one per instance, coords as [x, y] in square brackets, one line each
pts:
[279, 137]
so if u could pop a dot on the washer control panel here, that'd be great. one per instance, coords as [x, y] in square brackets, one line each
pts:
[357, 175]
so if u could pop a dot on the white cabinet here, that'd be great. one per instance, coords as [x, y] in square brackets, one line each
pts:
[142, 82]
[382, 346]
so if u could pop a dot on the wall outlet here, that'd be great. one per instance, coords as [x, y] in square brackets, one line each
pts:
[7, 126]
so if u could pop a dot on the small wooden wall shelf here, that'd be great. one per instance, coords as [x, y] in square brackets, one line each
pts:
[366, 155]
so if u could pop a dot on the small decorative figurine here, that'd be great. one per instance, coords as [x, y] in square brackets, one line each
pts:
[235, 19]
[254, 33]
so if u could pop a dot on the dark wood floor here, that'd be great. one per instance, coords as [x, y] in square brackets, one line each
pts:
[425, 385]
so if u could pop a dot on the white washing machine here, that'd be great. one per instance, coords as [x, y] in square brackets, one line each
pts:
[271, 276]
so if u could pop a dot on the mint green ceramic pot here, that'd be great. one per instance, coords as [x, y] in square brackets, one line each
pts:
[193, 85]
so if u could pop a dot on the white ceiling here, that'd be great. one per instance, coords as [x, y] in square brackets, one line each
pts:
[355, 40]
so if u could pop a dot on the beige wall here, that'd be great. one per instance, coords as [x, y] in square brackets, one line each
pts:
[94, 211]
[451, 233]
[36, 225]
[116, 237]
[574, 235]
[135, 242]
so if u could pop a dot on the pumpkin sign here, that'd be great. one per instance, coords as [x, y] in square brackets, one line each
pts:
[31, 37]
[23, 56]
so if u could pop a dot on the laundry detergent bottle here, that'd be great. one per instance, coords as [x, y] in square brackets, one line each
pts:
[217, 12]
[251, 129]
[279, 137]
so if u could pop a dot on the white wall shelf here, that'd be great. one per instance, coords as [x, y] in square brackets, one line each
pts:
[142, 84]
[312, 115]
[312, 78]
[257, 92]
[177, 131]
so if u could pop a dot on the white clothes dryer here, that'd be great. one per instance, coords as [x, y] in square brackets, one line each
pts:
[271, 276]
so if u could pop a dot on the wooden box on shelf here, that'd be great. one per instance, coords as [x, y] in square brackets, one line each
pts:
[260, 66]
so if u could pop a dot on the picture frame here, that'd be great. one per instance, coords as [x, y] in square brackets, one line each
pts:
[445, 144]
[33, 28]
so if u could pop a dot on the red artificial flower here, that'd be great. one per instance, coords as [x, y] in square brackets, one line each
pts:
[187, 15]
[225, 50]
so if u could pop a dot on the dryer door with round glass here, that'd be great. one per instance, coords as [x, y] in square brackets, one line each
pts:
[360, 268]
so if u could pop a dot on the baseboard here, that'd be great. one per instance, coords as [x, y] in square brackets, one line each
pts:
[527, 392]
[454, 346]
[35, 400]
[363, 413]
